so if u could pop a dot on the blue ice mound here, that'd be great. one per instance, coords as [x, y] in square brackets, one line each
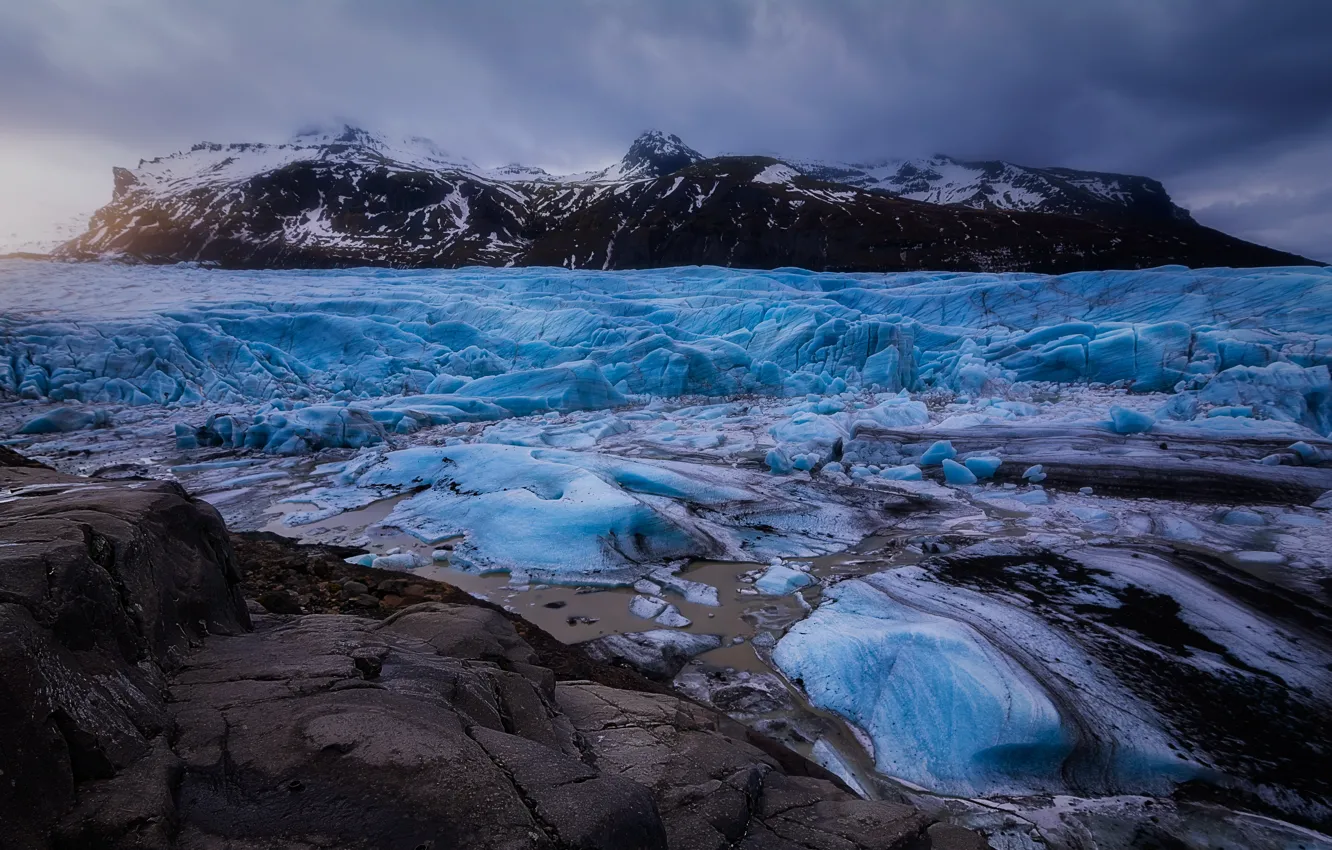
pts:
[565, 516]
[983, 466]
[944, 708]
[938, 452]
[897, 412]
[779, 581]
[571, 386]
[576, 435]
[1283, 391]
[1125, 421]
[65, 419]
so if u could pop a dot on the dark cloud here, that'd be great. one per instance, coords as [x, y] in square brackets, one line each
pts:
[1181, 89]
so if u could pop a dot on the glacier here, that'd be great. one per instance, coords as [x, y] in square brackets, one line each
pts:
[430, 347]
[998, 534]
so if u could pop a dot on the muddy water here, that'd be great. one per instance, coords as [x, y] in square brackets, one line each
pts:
[575, 614]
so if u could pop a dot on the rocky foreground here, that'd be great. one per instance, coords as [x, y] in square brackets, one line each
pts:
[147, 703]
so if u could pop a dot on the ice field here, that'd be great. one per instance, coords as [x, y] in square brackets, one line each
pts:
[972, 535]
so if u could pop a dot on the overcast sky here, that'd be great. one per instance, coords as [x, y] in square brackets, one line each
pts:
[1228, 102]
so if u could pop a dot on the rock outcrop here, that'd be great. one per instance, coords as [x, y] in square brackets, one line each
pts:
[144, 708]
[103, 587]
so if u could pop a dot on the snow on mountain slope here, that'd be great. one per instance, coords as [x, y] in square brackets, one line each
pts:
[208, 164]
[1004, 186]
[353, 198]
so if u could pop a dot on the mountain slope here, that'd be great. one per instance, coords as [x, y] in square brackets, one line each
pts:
[353, 198]
[997, 185]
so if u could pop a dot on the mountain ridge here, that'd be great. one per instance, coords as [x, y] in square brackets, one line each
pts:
[350, 197]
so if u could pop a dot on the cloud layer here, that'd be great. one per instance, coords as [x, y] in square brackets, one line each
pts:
[1227, 101]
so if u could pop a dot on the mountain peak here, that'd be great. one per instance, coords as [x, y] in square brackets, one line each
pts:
[656, 154]
[346, 134]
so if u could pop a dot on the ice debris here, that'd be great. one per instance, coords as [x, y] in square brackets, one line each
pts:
[1126, 421]
[957, 474]
[938, 452]
[909, 472]
[779, 580]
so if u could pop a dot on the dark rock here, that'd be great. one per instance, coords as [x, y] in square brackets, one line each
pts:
[280, 602]
[657, 654]
[716, 790]
[279, 730]
[945, 836]
[352, 589]
[135, 808]
[438, 726]
[102, 586]
[466, 632]
[11, 458]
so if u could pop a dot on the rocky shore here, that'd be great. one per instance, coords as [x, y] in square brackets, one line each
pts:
[164, 684]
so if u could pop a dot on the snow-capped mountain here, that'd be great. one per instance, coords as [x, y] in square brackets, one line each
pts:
[351, 197]
[997, 185]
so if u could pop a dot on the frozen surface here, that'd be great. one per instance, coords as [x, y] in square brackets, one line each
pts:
[780, 580]
[583, 517]
[1136, 537]
[493, 343]
[944, 709]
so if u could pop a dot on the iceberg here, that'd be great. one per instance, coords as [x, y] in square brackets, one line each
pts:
[937, 453]
[942, 706]
[957, 474]
[779, 581]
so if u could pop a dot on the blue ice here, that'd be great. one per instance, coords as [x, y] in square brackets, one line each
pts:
[983, 466]
[778, 580]
[65, 419]
[957, 474]
[565, 515]
[938, 452]
[432, 347]
[943, 707]
[1125, 421]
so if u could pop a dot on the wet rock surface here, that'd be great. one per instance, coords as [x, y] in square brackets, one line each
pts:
[145, 707]
[658, 654]
[102, 588]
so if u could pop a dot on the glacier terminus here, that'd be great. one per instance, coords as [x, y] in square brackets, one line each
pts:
[1047, 554]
